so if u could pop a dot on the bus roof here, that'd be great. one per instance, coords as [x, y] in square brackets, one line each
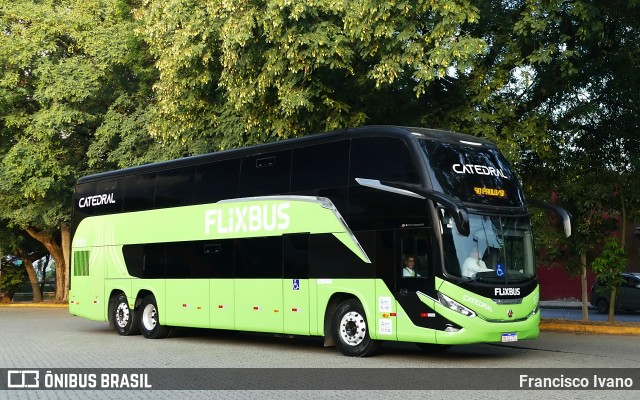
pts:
[364, 131]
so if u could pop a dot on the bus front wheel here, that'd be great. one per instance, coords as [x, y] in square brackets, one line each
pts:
[124, 319]
[149, 320]
[351, 331]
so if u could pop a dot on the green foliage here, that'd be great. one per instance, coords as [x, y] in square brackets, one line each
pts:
[94, 85]
[243, 72]
[73, 77]
[12, 275]
[610, 263]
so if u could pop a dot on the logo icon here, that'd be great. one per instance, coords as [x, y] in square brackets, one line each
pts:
[296, 284]
[510, 313]
[500, 270]
[23, 379]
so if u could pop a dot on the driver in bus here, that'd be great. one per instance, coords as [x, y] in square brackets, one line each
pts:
[409, 268]
[473, 264]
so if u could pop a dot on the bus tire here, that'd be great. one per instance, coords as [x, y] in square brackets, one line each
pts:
[124, 319]
[351, 331]
[150, 321]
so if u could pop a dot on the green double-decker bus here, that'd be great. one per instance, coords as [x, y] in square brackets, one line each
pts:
[359, 236]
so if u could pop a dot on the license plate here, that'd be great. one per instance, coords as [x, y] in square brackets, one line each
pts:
[509, 337]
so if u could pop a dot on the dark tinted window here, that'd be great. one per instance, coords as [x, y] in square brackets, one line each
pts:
[178, 260]
[212, 259]
[322, 166]
[82, 204]
[174, 188]
[385, 159]
[216, 181]
[330, 258]
[134, 259]
[154, 261]
[265, 174]
[296, 256]
[259, 257]
[138, 192]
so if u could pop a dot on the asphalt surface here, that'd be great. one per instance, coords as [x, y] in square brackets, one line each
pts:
[557, 316]
[103, 348]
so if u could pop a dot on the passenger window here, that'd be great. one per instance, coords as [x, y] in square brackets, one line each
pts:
[320, 167]
[139, 192]
[265, 174]
[216, 181]
[174, 188]
[385, 159]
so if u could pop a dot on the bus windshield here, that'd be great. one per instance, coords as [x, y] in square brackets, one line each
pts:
[498, 249]
[474, 174]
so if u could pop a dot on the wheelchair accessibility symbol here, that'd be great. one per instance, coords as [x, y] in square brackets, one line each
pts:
[296, 284]
[500, 271]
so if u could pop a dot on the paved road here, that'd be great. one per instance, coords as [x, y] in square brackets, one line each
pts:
[51, 338]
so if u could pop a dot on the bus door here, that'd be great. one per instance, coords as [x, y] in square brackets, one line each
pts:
[414, 278]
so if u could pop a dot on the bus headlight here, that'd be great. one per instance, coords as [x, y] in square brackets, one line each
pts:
[455, 306]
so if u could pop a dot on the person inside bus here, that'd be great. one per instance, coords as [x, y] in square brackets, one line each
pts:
[409, 268]
[473, 264]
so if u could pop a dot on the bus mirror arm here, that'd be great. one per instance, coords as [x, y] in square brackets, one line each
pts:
[561, 212]
[454, 206]
[458, 210]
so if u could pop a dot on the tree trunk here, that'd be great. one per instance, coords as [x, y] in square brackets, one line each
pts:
[612, 303]
[58, 256]
[65, 233]
[583, 279]
[33, 279]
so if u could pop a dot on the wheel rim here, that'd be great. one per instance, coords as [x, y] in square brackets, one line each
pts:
[353, 328]
[149, 317]
[122, 315]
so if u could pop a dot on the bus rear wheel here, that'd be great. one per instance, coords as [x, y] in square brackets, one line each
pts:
[150, 321]
[351, 331]
[124, 319]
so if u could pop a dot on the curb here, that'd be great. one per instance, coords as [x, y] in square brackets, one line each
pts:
[34, 305]
[588, 328]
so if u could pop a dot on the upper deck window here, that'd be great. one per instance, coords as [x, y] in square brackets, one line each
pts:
[382, 158]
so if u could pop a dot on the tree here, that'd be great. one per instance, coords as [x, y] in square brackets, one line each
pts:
[610, 264]
[237, 73]
[21, 247]
[71, 72]
[12, 276]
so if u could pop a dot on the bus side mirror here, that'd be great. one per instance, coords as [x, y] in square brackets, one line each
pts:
[561, 212]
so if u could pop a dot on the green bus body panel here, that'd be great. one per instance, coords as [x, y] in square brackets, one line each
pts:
[221, 303]
[493, 320]
[244, 218]
[290, 306]
[258, 305]
[296, 309]
[188, 303]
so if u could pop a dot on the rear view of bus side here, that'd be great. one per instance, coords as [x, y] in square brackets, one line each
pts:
[359, 236]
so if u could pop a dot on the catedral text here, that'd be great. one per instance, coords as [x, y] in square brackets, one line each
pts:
[98, 200]
[478, 170]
